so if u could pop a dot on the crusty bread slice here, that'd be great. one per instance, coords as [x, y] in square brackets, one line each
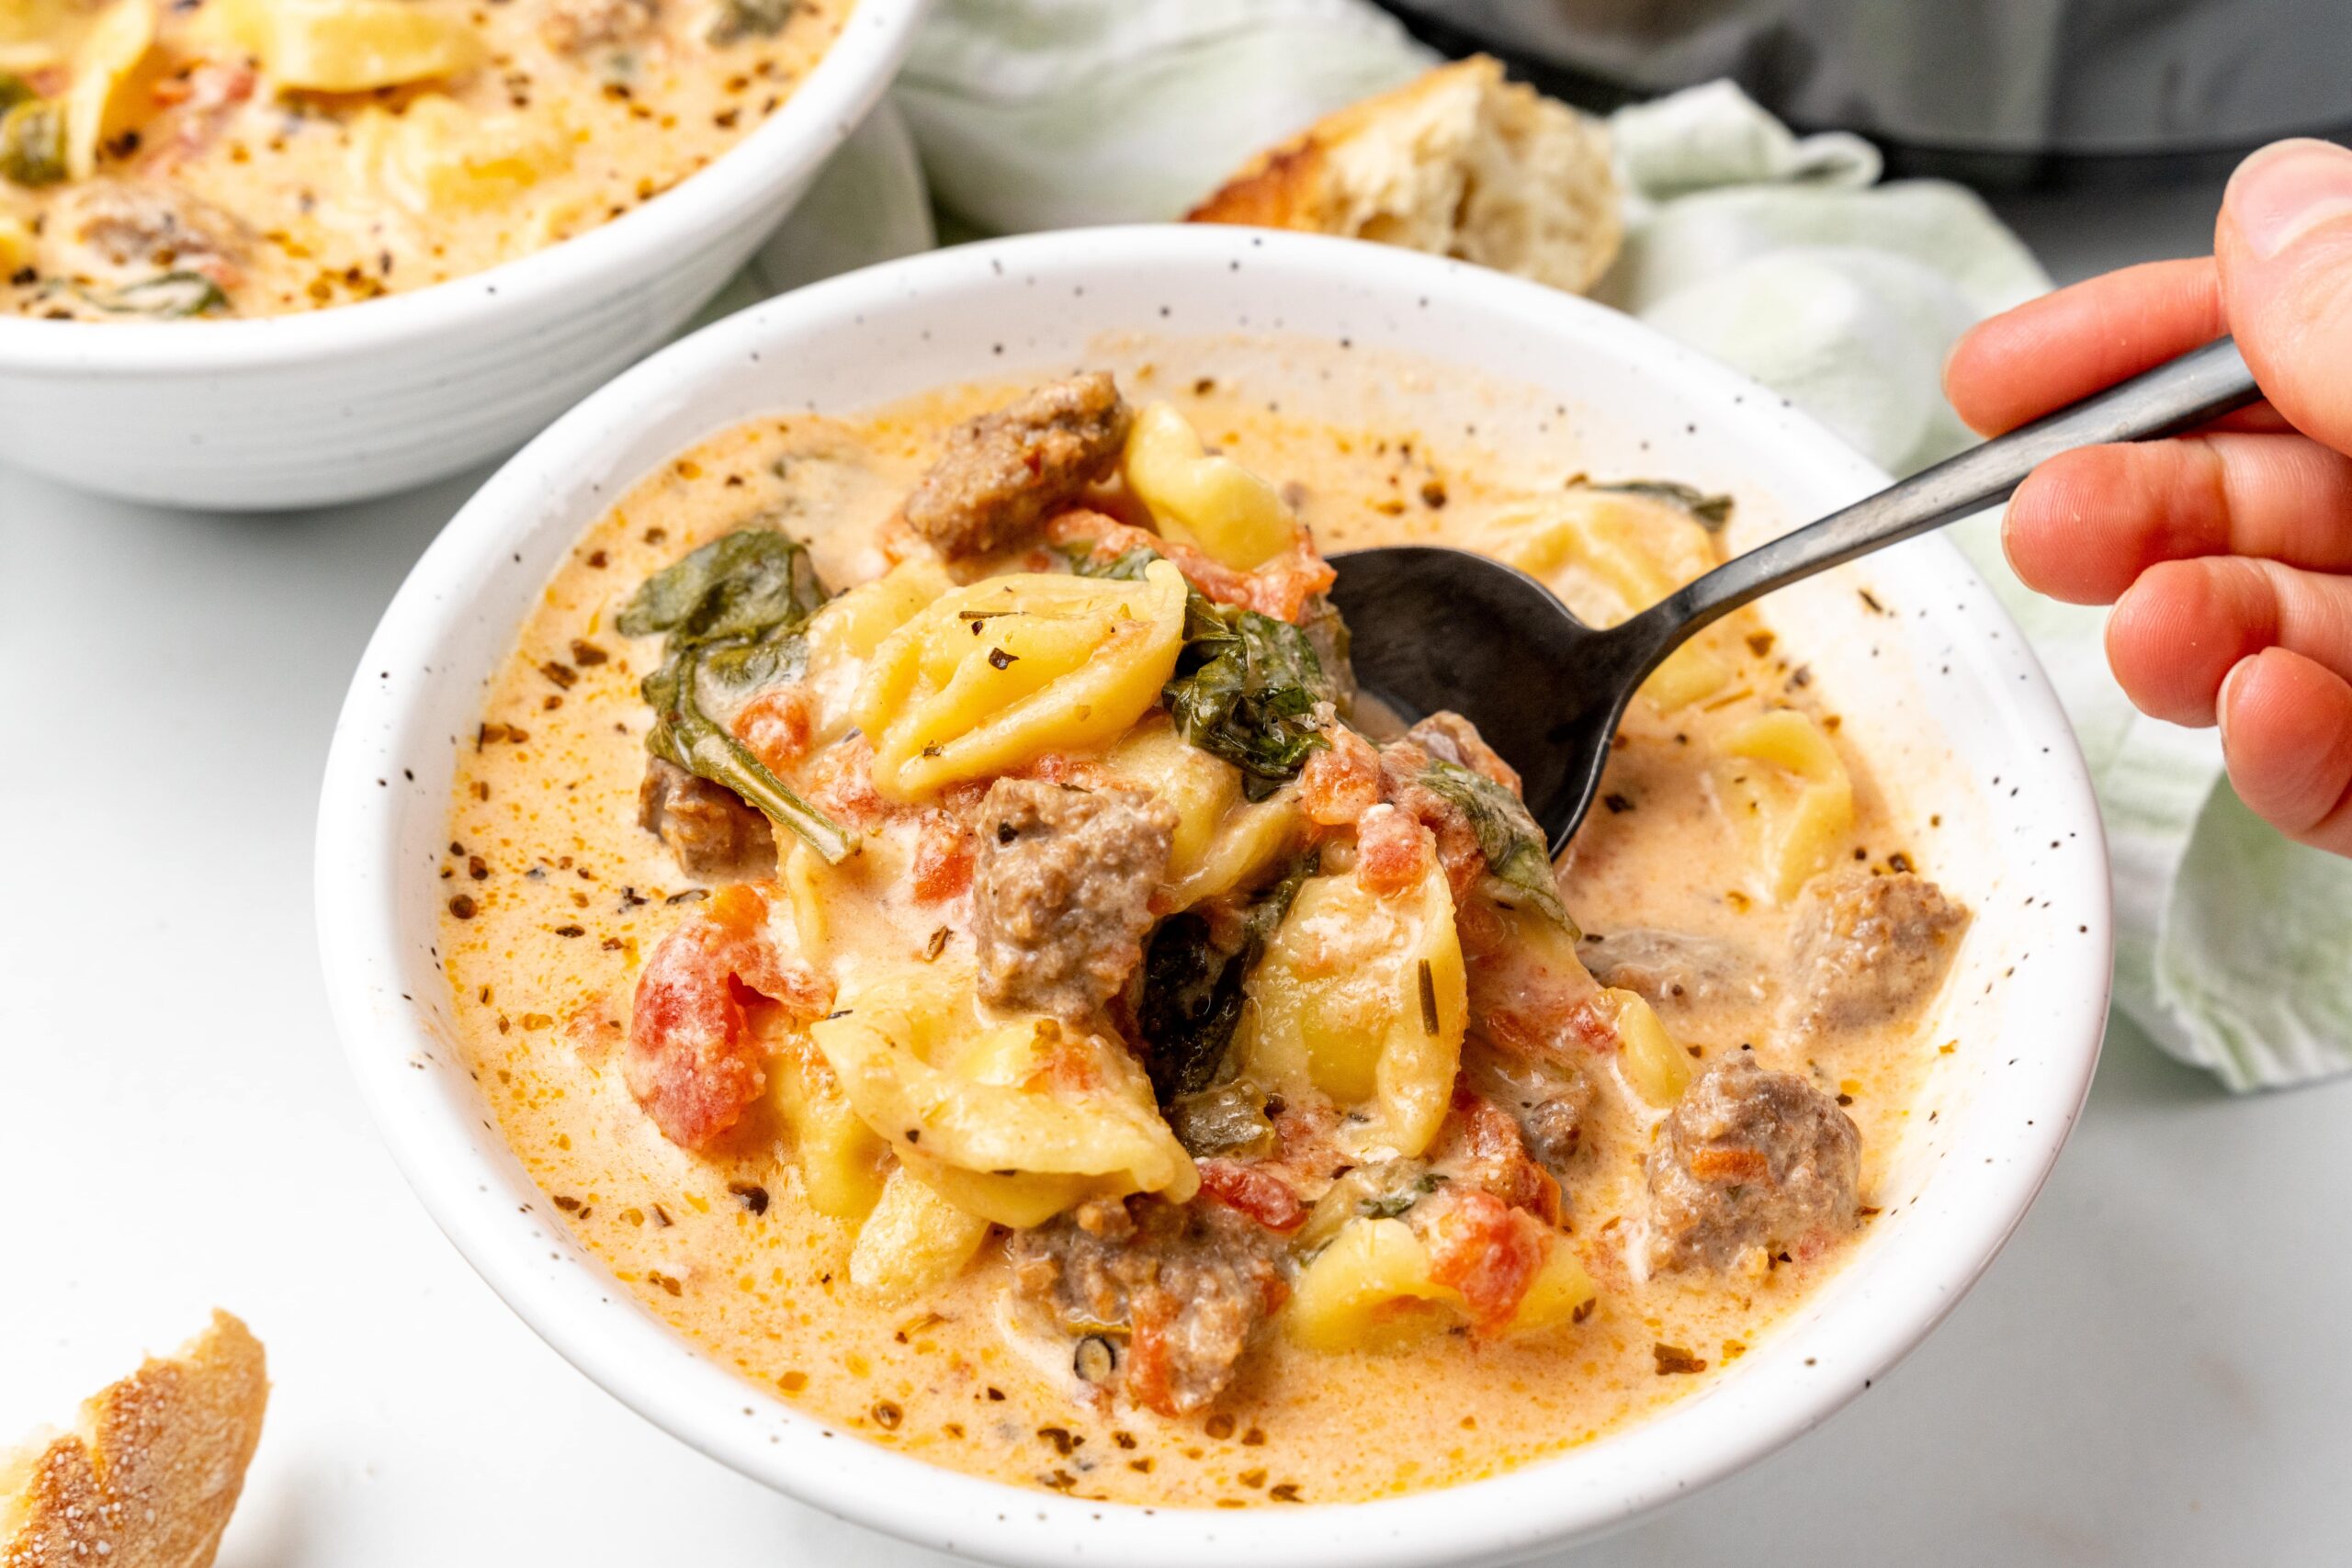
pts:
[1460, 163]
[150, 1476]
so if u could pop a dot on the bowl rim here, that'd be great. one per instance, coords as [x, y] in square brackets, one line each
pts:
[1573, 1493]
[847, 81]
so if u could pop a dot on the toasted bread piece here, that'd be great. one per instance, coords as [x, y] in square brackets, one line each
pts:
[1460, 163]
[149, 1478]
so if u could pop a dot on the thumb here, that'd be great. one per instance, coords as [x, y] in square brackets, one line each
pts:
[2284, 242]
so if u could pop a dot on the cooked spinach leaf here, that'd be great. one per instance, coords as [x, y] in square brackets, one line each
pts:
[32, 141]
[167, 296]
[1710, 512]
[733, 611]
[1229, 1119]
[1192, 979]
[738, 20]
[1245, 689]
[1127, 566]
[1516, 850]
[1247, 684]
[750, 583]
[1409, 1188]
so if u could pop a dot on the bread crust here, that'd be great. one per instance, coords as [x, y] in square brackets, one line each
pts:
[1460, 162]
[153, 1471]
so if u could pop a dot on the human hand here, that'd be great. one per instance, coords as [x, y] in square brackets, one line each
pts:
[2227, 554]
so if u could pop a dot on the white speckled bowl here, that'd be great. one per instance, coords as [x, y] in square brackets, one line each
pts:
[366, 399]
[1933, 680]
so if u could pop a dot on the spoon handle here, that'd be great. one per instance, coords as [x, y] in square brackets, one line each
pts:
[2179, 395]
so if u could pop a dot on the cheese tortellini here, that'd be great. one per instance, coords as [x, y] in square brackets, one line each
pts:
[109, 54]
[989, 677]
[352, 45]
[1371, 1289]
[1802, 816]
[1653, 1064]
[1365, 998]
[1205, 501]
[1635, 551]
[1221, 842]
[913, 1242]
[438, 156]
[1011, 1122]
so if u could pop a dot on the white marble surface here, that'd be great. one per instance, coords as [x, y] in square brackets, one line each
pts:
[2153, 1372]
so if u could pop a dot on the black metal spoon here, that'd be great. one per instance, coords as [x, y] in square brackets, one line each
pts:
[1443, 629]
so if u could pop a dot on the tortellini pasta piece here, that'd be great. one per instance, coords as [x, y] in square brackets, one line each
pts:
[843, 1164]
[913, 1242]
[108, 55]
[1371, 1289]
[1653, 1064]
[1209, 501]
[994, 674]
[438, 156]
[1013, 1121]
[844, 635]
[352, 45]
[1364, 998]
[1804, 821]
[1221, 841]
[1637, 551]
[17, 243]
[34, 33]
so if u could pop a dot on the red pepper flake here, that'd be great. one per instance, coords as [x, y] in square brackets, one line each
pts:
[1060, 1438]
[662, 1217]
[1219, 1426]
[1673, 1360]
[754, 1196]
[1760, 643]
[886, 1415]
[1254, 1437]
[1433, 494]
[597, 558]
[571, 930]
[1899, 861]
[1285, 1492]
[569, 1205]
[462, 905]
[478, 868]
[999, 659]
[563, 674]
[1617, 803]
[665, 1281]
[585, 653]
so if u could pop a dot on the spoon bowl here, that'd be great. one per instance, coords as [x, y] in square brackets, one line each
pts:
[1436, 627]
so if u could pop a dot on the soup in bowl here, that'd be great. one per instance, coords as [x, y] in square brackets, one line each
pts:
[890, 863]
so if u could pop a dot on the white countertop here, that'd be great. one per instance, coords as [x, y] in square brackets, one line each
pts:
[2153, 1372]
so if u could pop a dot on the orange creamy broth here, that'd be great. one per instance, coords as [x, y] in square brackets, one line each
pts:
[565, 115]
[562, 896]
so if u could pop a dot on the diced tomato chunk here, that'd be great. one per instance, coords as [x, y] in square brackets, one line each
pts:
[693, 1060]
[1279, 588]
[777, 725]
[1489, 1252]
[1340, 781]
[1393, 852]
[1488, 1140]
[1254, 1190]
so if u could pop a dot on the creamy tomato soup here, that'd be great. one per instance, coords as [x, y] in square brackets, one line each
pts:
[209, 158]
[927, 906]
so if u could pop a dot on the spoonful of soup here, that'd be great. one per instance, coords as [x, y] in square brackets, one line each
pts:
[1439, 628]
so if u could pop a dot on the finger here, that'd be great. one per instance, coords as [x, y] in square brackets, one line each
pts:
[2178, 631]
[2088, 522]
[2284, 247]
[2287, 735]
[2063, 346]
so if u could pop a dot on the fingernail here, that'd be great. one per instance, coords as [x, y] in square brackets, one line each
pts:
[2222, 700]
[2285, 191]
